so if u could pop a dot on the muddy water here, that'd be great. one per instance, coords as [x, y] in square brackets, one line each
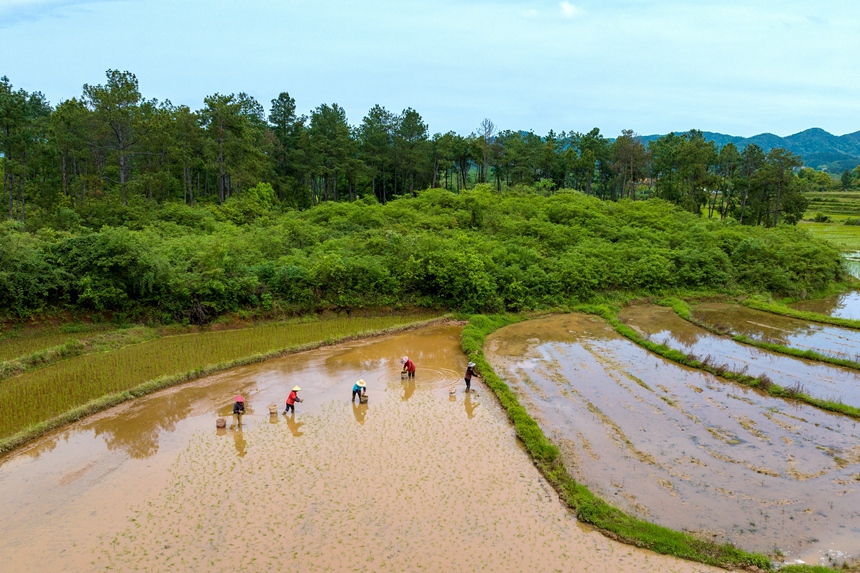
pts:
[416, 479]
[682, 448]
[769, 327]
[845, 305]
[818, 379]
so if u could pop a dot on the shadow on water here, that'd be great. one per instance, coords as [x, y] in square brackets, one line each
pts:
[680, 447]
[818, 379]
[776, 329]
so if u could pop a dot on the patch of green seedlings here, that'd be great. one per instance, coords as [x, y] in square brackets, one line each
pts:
[16, 345]
[762, 382]
[588, 507]
[800, 314]
[43, 399]
[105, 342]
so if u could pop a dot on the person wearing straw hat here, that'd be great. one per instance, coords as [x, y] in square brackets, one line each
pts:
[292, 399]
[470, 371]
[358, 389]
[238, 409]
[408, 367]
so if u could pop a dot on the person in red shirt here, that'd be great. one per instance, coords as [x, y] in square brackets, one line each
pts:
[292, 399]
[408, 367]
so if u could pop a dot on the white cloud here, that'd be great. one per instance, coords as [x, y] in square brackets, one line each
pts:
[568, 10]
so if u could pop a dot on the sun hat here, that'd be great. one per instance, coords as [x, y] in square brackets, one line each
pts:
[405, 359]
[296, 388]
[238, 398]
[361, 384]
[471, 363]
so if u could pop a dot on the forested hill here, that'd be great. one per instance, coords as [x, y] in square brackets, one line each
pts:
[819, 149]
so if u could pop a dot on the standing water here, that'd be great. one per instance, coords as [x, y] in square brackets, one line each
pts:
[416, 479]
[683, 448]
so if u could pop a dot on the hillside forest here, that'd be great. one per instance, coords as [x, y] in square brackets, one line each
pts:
[123, 204]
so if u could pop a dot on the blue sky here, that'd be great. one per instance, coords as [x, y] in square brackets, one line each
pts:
[732, 66]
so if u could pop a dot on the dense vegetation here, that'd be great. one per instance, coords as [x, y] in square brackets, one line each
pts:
[477, 250]
[112, 143]
[122, 204]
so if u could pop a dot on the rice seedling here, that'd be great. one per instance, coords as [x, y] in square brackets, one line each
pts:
[14, 344]
[40, 395]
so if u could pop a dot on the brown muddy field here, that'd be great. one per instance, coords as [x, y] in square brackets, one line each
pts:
[818, 379]
[416, 479]
[845, 305]
[683, 448]
[776, 329]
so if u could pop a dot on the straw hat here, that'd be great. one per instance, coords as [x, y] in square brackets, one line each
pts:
[404, 360]
[238, 398]
[361, 384]
[471, 364]
[296, 388]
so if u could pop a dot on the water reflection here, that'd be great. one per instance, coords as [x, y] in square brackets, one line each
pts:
[408, 388]
[137, 432]
[819, 379]
[239, 440]
[294, 426]
[845, 305]
[773, 328]
[359, 411]
[470, 406]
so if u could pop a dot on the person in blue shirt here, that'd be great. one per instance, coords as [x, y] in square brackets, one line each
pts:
[358, 389]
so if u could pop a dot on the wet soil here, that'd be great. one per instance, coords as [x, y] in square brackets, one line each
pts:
[776, 329]
[417, 479]
[845, 305]
[683, 448]
[817, 379]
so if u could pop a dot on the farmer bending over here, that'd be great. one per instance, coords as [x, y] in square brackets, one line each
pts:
[358, 389]
[292, 399]
[408, 367]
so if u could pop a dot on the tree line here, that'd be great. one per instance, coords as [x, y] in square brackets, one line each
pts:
[112, 143]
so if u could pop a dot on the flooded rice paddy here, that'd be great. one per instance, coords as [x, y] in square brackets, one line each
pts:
[416, 479]
[817, 379]
[683, 448]
[769, 327]
[844, 305]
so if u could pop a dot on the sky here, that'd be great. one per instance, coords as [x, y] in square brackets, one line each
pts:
[739, 67]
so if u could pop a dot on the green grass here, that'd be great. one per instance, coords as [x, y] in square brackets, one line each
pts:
[588, 507]
[39, 400]
[800, 314]
[845, 237]
[17, 344]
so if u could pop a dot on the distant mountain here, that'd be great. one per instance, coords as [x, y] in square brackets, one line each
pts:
[818, 148]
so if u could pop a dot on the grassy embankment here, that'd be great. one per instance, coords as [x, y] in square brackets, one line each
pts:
[683, 310]
[588, 507]
[762, 383]
[776, 308]
[43, 399]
